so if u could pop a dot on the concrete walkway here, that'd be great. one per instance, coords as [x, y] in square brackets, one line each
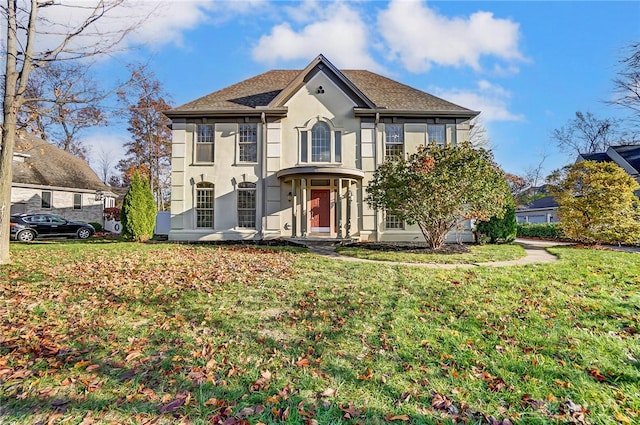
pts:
[536, 253]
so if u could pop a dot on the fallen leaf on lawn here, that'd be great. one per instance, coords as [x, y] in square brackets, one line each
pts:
[302, 362]
[366, 376]
[622, 418]
[350, 411]
[329, 392]
[404, 418]
[172, 406]
[92, 367]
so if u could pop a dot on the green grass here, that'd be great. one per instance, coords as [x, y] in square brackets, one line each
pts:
[476, 254]
[131, 333]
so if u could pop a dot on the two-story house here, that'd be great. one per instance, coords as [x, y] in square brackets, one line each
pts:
[289, 154]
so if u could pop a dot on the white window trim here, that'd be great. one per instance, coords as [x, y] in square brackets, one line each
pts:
[196, 142]
[254, 189]
[332, 134]
[238, 160]
[402, 155]
[195, 205]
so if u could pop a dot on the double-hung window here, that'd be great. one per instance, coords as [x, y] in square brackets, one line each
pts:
[247, 205]
[436, 134]
[77, 201]
[46, 199]
[393, 140]
[204, 204]
[205, 146]
[320, 144]
[248, 143]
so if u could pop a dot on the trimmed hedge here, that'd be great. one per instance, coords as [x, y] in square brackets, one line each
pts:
[540, 230]
[96, 226]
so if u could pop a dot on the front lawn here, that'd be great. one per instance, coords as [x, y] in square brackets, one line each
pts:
[162, 333]
[450, 254]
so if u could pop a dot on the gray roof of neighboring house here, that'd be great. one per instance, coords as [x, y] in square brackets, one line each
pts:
[596, 156]
[630, 153]
[259, 92]
[46, 165]
[546, 202]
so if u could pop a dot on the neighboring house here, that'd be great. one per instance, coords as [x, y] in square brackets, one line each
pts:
[545, 210]
[626, 156]
[289, 153]
[48, 179]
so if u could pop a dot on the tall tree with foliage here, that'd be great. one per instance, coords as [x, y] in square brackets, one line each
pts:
[597, 204]
[27, 29]
[438, 187]
[138, 213]
[149, 150]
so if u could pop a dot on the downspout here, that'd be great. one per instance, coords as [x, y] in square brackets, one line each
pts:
[375, 158]
[263, 225]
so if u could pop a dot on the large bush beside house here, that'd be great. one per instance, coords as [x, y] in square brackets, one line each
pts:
[498, 229]
[597, 204]
[439, 187]
[138, 213]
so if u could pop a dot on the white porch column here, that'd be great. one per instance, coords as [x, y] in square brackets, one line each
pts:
[349, 199]
[303, 224]
[339, 208]
[294, 208]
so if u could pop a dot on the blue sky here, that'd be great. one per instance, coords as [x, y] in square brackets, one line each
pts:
[528, 66]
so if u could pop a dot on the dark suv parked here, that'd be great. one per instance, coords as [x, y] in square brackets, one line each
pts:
[26, 227]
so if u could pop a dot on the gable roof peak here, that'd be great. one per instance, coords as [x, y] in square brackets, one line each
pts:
[320, 62]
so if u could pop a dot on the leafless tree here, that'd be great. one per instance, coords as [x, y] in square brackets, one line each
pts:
[62, 100]
[587, 133]
[478, 135]
[105, 164]
[627, 87]
[36, 37]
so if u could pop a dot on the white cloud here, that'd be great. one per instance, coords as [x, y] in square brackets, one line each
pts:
[152, 23]
[419, 37]
[492, 100]
[338, 32]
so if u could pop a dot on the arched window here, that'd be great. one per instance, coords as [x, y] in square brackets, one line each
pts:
[320, 143]
[247, 205]
[204, 204]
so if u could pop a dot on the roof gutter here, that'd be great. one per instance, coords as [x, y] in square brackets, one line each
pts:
[211, 113]
[381, 112]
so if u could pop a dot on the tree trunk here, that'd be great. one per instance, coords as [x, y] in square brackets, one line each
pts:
[8, 132]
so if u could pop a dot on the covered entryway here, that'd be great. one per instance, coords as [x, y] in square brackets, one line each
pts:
[323, 201]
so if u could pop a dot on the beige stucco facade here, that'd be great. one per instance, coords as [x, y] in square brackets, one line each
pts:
[297, 194]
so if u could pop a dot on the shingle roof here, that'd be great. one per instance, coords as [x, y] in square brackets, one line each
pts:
[630, 153]
[260, 90]
[546, 202]
[45, 164]
[596, 156]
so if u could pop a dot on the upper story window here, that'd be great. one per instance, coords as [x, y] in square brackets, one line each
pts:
[204, 204]
[320, 144]
[247, 205]
[393, 140]
[77, 201]
[205, 143]
[436, 134]
[248, 143]
[442, 134]
[45, 199]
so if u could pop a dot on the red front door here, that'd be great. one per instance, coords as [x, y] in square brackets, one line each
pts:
[320, 209]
